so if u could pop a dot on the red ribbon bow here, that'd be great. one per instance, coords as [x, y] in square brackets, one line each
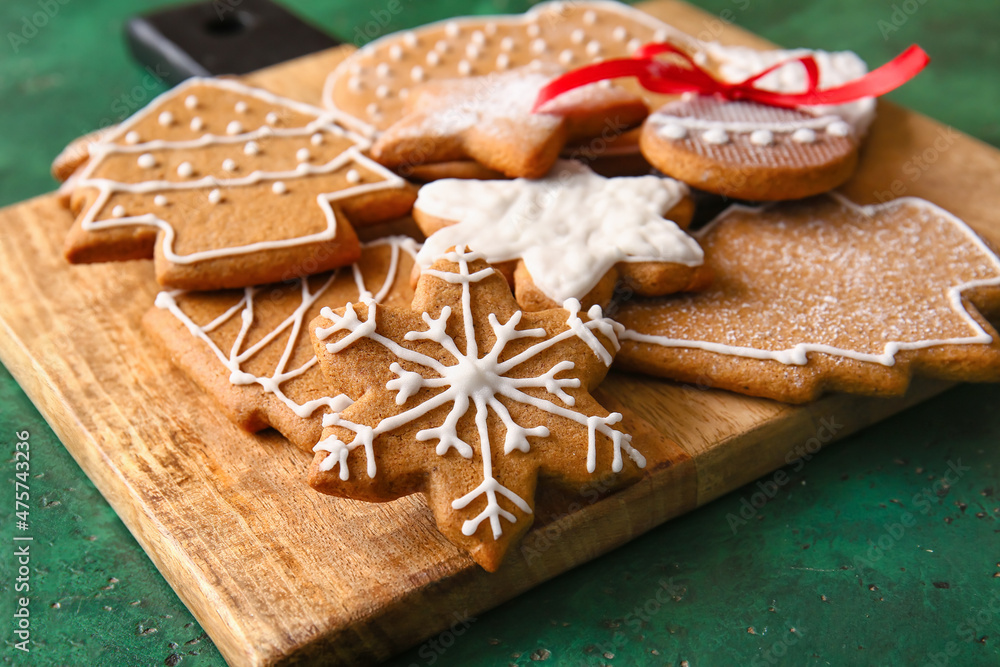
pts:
[671, 78]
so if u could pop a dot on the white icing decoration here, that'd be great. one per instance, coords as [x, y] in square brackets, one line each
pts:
[241, 107]
[234, 127]
[417, 74]
[503, 61]
[191, 102]
[166, 119]
[838, 129]
[738, 63]
[382, 71]
[396, 52]
[672, 131]
[353, 176]
[569, 228]
[590, 17]
[229, 164]
[577, 36]
[566, 57]
[620, 34]
[593, 48]
[303, 155]
[538, 46]
[316, 139]
[804, 135]
[715, 135]
[452, 29]
[410, 39]
[279, 187]
[464, 68]
[798, 355]
[474, 381]
[237, 356]
[197, 124]
[355, 84]
[332, 122]
[442, 47]
[382, 92]
[146, 161]
[118, 211]
[549, 14]
[478, 38]
[271, 118]
[634, 45]
[160, 200]
[372, 109]
[215, 196]
[132, 137]
[762, 137]
[472, 51]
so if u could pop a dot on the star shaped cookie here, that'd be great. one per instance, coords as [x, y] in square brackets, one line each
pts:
[470, 401]
[224, 185]
[571, 235]
[824, 295]
[489, 119]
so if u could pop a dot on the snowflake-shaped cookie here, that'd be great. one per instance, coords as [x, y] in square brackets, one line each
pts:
[469, 400]
[571, 235]
[226, 186]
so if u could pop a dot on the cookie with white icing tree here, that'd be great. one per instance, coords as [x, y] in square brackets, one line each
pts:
[747, 150]
[571, 235]
[224, 185]
[471, 401]
[489, 119]
[824, 295]
[250, 348]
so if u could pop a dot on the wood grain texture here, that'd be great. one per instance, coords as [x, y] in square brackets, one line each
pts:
[278, 574]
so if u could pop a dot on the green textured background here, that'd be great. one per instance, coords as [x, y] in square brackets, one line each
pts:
[863, 557]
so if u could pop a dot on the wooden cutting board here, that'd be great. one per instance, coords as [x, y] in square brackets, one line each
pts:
[277, 573]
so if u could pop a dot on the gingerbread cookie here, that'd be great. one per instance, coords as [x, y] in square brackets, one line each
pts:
[469, 400]
[824, 295]
[570, 235]
[490, 120]
[748, 150]
[374, 83]
[250, 348]
[227, 186]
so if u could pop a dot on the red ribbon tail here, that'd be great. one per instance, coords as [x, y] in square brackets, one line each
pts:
[609, 69]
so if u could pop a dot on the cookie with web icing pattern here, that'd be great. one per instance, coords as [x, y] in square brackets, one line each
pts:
[250, 348]
[469, 400]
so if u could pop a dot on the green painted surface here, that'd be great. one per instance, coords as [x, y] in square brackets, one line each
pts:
[861, 549]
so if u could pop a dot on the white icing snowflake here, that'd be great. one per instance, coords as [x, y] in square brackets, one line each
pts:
[569, 228]
[477, 379]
